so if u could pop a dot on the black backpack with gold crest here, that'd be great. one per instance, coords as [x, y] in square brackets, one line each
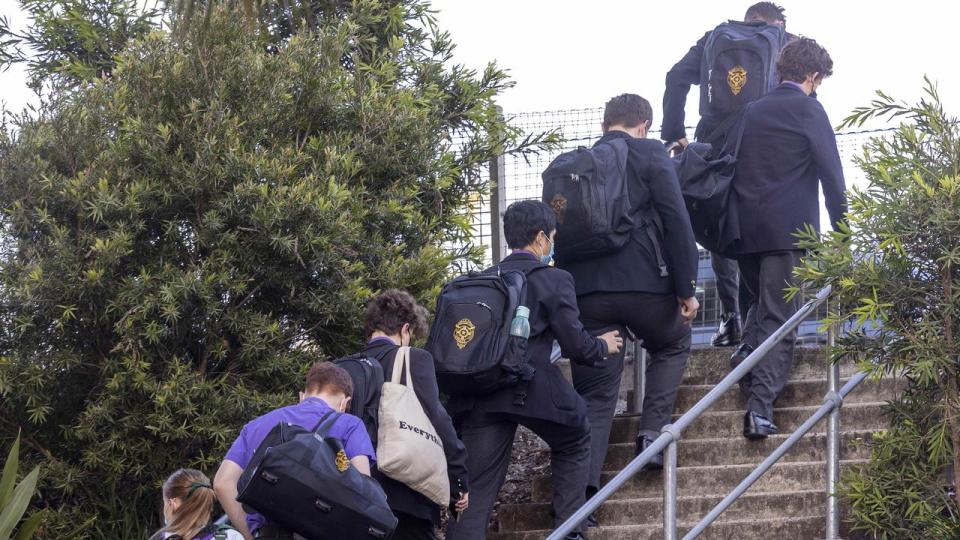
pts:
[470, 338]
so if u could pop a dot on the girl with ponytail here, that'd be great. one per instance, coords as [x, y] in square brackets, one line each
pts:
[187, 508]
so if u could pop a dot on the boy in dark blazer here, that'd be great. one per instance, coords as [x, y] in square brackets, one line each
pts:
[390, 321]
[788, 149]
[551, 408]
[681, 76]
[627, 289]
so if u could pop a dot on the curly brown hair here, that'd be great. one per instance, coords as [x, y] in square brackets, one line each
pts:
[393, 308]
[801, 58]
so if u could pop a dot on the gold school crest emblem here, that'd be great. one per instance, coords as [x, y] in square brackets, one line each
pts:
[736, 79]
[559, 204]
[342, 462]
[463, 332]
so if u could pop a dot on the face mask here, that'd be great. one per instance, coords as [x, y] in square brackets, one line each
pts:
[545, 259]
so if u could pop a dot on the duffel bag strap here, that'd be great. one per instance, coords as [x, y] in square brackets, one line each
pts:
[320, 424]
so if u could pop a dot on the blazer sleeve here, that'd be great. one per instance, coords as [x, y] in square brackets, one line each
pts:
[684, 73]
[823, 145]
[564, 320]
[423, 372]
[679, 244]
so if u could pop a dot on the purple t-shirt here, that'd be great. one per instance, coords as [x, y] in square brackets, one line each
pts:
[348, 428]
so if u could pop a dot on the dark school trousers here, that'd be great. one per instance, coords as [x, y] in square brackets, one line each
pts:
[728, 282]
[766, 275]
[654, 318]
[413, 528]
[489, 441]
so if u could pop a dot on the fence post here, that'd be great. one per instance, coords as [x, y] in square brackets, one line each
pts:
[670, 490]
[639, 377]
[833, 442]
[498, 201]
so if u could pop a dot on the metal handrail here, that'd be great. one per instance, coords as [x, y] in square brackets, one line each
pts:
[831, 403]
[670, 434]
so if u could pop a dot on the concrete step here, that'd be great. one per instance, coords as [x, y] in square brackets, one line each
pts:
[724, 424]
[707, 366]
[796, 393]
[739, 451]
[710, 365]
[537, 516]
[793, 528]
[713, 480]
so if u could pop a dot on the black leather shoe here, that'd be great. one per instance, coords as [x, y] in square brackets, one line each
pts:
[757, 427]
[728, 333]
[575, 536]
[655, 464]
[592, 521]
[738, 356]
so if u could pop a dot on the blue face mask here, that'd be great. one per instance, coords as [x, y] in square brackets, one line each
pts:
[545, 259]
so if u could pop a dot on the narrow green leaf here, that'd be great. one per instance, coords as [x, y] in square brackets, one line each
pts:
[11, 513]
[9, 478]
[26, 530]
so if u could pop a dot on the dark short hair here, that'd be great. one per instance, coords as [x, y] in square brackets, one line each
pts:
[628, 110]
[765, 11]
[803, 57]
[328, 377]
[390, 310]
[523, 220]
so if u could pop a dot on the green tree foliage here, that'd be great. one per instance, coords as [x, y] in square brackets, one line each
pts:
[182, 239]
[69, 41]
[896, 273]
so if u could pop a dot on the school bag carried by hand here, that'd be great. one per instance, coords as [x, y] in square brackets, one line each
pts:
[408, 448]
[706, 180]
[302, 481]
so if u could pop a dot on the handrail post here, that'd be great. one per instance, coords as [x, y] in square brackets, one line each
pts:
[639, 377]
[670, 489]
[833, 442]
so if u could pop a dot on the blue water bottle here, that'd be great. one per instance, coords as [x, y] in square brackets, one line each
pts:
[520, 326]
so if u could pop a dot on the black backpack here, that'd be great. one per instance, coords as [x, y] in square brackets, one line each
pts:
[302, 481]
[367, 376]
[470, 338]
[587, 189]
[739, 66]
[705, 182]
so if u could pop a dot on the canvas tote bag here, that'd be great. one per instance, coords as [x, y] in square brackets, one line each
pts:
[408, 448]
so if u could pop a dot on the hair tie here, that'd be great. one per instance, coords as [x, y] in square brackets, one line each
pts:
[196, 485]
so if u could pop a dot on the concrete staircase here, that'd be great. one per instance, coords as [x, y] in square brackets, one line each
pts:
[785, 504]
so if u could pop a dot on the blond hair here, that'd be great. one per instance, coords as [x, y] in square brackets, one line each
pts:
[195, 492]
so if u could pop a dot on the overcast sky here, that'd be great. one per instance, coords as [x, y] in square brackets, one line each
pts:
[578, 53]
[571, 54]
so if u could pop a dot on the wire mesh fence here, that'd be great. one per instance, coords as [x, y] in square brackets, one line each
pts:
[518, 178]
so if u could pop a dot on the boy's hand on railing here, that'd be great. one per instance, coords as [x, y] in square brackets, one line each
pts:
[689, 308]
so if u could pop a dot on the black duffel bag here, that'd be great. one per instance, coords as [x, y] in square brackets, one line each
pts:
[302, 481]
